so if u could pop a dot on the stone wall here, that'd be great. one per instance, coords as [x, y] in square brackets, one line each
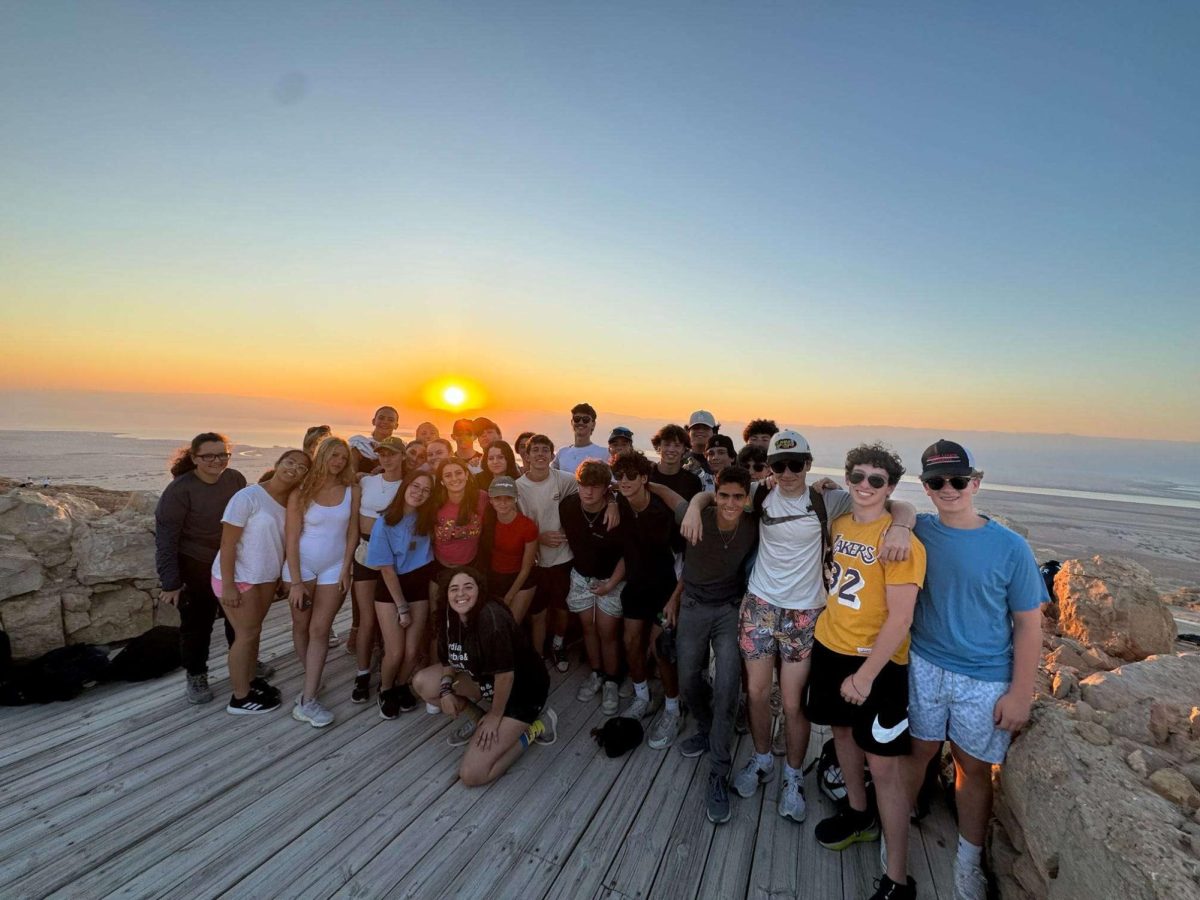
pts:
[76, 566]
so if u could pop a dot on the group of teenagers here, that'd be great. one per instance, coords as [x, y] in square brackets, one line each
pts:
[748, 590]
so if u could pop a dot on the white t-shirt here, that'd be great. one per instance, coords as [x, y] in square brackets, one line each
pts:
[567, 459]
[260, 548]
[787, 571]
[539, 500]
[376, 495]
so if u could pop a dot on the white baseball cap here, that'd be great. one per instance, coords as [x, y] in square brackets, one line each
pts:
[787, 443]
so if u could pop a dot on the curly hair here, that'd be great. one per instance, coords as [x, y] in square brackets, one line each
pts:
[879, 455]
[632, 463]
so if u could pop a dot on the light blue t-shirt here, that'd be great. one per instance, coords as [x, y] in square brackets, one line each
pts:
[399, 546]
[975, 579]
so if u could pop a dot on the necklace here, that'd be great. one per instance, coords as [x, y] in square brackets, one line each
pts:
[721, 534]
[591, 520]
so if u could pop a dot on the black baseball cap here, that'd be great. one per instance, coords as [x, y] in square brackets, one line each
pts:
[945, 457]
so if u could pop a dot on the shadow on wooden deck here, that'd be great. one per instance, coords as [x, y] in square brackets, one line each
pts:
[130, 792]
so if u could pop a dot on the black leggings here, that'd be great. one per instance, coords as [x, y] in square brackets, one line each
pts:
[198, 609]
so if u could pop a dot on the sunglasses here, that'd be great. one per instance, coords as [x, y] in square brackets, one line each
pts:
[875, 481]
[792, 465]
[958, 482]
[580, 420]
[757, 467]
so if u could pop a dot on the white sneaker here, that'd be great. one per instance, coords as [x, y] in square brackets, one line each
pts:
[432, 709]
[791, 799]
[590, 687]
[969, 882]
[665, 729]
[638, 709]
[312, 712]
[749, 777]
[626, 689]
[609, 702]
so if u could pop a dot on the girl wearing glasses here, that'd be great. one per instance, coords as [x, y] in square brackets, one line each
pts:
[246, 570]
[187, 536]
[322, 532]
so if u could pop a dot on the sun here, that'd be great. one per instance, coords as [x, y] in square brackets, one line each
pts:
[454, 393]
[454, 396]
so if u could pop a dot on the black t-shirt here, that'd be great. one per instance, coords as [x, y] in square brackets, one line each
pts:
[646, 537]
[188, 522]
[491, 644]
[595, 548]
[715, 570]
[686, 484]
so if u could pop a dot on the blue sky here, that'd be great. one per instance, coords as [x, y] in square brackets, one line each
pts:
[989, 211]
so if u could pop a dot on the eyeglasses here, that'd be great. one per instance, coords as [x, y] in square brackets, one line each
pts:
[213, 457]
[794, 466]
[580, 420]
[295, 466]
[875, 481]
[958, 482]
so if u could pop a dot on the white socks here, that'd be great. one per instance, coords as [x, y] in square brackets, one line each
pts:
[642, 690]
[673, 705]
[968, 853]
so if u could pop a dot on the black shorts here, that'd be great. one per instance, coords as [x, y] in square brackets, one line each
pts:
[499, 582]
[645, 601]
[528, 696]
[553, 583]
[880, 725]
[414, 585]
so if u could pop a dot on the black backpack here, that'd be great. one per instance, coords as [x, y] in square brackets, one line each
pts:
[149, 655]
[61, 674]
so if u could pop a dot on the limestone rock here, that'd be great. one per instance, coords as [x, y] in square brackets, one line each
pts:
[113, 550]
[34, 624]
[1111, 603]
[1171, 679]
[43, 524]
[1064, 684]
[1175, 786]
[19, 569]
[114, 616]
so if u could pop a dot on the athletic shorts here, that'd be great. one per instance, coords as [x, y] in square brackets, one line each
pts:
[645, 601]
[880, 725]
[414, 586]
[242, 586]
[552, 583]
[525, 702]
[945, 704]
[766, 630]
[358, 571]
[580, 598]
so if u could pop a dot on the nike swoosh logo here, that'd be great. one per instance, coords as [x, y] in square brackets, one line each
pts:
[887, 735]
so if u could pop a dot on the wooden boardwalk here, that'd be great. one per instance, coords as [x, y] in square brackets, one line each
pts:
[130, 792]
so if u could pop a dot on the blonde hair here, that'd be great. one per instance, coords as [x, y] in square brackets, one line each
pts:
[318, 476]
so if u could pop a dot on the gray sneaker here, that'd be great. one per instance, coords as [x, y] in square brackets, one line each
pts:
[637, 709]
[717, 799]
[548, 733]
[263, 670]
[609, 700]
[696, 745]
[791, 799]
[462, 734]
[665, 729]
[969, 882]
[626, 689]
[590, 687]
[750, 776]
[312, 712]
[197, 689]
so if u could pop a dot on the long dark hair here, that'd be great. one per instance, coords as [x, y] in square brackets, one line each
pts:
[182, 462]
[426, 512]
[270, 473]
[475, 575]
[484, 478]
[470, 499]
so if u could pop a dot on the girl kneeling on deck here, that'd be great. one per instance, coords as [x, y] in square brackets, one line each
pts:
[485, 655]
[245, 573]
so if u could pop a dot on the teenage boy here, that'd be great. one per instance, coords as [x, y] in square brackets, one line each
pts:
[619, 440]
[648, 526]
[702, 425]
[672, 442]
[597, 579]
[976, 637]
[488, 433]
[784, 597]
[362, 446]
[540, 490]
[753, 459]
[719, 454]
[463, 433]
[714, 580]
[583, 423]
[859, 679]
[758, 432]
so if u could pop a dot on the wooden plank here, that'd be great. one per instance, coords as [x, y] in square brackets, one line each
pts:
[731, 853]
[937, 834]
[688, 841]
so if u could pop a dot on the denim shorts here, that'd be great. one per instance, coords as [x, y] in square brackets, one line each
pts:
[945, 704]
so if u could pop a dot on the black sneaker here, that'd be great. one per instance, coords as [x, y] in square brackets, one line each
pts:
[362, 688]
[389, 704]
[847, 826]
[264, 687]
[253, 704]
[886, 889]
[408, 700]
[557, 658]
[717, 799]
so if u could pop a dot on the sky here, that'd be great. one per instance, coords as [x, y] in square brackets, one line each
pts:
[972, 216]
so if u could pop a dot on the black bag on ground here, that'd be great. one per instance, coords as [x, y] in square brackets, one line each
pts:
[619, 735]
[61, 674]
[149, 655]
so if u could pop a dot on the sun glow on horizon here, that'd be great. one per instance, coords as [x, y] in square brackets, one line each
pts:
[453, 393]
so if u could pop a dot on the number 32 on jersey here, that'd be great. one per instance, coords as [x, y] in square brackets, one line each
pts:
[847, 582]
